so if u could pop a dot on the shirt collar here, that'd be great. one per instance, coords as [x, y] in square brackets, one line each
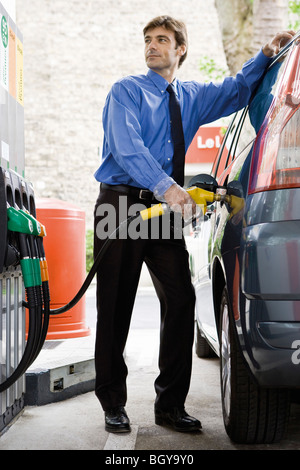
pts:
[160, 82]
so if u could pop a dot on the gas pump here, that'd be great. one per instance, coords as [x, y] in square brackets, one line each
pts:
[15, 192]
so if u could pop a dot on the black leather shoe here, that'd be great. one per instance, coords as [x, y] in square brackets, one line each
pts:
[178, 419]
[116, 420]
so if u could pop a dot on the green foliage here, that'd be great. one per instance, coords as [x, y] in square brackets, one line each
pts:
[294, 13]
[89, 249]
[210, 70]
[294, 6]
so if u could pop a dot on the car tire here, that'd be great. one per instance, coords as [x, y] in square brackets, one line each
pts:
[202, 348]
[252, 415]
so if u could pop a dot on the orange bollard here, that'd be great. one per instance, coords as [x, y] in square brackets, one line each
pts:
[65, 253]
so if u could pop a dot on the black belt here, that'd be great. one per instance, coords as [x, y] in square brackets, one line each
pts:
[139, 193]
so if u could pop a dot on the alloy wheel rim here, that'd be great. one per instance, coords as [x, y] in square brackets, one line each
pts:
[226, 362]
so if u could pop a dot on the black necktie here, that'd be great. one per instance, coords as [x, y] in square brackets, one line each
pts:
[177, 136]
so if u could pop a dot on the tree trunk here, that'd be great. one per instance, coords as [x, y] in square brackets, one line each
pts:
[235, 18]
[247, 25]
[269, 17]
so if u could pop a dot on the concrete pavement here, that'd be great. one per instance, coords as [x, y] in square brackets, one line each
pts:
[77, 423]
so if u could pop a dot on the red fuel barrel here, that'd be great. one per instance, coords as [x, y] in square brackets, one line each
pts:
[65, 253]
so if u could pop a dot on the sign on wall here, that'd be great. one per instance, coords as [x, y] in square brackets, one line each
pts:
[205, 145]
[11, 92]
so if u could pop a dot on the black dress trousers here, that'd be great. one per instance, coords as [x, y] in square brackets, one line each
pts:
[117, 282]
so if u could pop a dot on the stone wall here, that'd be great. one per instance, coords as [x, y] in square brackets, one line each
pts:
[73, 52]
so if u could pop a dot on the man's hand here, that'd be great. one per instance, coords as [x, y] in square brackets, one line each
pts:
[180, 201]
[280, 40]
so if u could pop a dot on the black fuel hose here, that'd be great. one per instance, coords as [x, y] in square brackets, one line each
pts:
[45, 321]
[112, 237]
[39, 317]
[33, 332]
[44, 299]
[123, 226]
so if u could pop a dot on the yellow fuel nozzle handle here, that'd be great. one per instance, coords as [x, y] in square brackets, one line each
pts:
[154, 211]
[200, 196]
[236, 204]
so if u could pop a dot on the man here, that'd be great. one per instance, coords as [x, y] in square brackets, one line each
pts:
[140, 152]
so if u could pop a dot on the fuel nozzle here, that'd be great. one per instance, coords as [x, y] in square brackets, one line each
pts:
[201, 197]
[235, 203]
[25, 226]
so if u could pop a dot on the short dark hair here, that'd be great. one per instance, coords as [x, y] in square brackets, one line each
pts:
[177, 26]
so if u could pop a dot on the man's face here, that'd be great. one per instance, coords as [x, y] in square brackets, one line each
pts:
[161, 50]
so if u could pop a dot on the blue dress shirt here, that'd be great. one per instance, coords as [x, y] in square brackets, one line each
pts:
[137, 144]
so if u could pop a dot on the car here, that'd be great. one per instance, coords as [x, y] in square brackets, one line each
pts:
[246, 260]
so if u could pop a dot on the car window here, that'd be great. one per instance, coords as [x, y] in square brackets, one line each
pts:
[224, 156]
[256, 113]
[247, 122]
[259, 106]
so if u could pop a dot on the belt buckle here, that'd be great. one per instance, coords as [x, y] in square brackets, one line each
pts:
[141, 193]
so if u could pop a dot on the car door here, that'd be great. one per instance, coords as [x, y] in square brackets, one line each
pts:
[206, 231]
[232, 161]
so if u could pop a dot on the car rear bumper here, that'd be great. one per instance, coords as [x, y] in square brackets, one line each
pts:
[271, 348]
[271, 286]
[271, 261]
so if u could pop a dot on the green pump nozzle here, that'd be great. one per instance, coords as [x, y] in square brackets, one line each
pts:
[36, 225]
[19, 222]
[23, 223]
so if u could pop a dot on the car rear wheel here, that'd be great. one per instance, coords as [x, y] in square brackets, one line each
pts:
[251, 415]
